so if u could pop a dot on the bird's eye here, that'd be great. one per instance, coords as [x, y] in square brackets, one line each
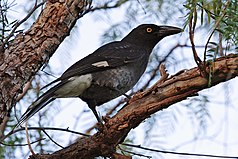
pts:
[149, 30]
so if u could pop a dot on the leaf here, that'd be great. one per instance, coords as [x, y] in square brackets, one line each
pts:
[187, 6]
[202, 14]
[213, 43]
[215, 7]
[208, 14]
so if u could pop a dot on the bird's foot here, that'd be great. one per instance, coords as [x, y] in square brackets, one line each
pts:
[99, 126]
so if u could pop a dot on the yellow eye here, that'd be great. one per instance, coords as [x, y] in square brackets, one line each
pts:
[149, 30]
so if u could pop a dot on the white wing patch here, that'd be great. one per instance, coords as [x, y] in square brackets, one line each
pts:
[101, 64]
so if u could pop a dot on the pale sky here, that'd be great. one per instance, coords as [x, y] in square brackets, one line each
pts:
[224, 134]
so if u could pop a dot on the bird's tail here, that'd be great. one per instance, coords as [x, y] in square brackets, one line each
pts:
[36, 106]
[41, 102]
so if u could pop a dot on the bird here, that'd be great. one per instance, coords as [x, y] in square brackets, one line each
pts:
[107, 73]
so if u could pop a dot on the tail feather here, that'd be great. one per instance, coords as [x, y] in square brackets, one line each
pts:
[40, 103]
[34, 108]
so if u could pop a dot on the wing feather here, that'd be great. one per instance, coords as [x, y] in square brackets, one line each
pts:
[115, 54]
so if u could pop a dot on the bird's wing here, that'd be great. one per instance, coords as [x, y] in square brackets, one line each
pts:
[109, 56]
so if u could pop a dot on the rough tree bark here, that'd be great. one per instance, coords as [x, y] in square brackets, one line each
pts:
[33, 48]
[165, 93]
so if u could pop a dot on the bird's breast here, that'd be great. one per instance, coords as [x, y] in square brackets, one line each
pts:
[114, 78]
[122, 78]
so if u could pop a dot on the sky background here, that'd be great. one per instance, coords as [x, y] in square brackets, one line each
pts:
[221, 135]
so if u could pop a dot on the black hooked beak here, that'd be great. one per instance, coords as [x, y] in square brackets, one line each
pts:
[168, 30]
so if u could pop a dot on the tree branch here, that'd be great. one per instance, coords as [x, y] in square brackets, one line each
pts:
[143, 105]
[33, 48]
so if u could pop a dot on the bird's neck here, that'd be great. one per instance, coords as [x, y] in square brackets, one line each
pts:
[140, 42]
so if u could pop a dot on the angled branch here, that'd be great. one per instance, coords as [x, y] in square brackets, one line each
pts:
[170, 91]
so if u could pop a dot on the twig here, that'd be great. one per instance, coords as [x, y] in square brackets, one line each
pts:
[3, 24]
[106, 6]
[23, 20]
[179, 153]
[25, 89]
[52, 139]
[192, 24]
[28, 141]
[42, 128]
[2, 143]
[141, 155]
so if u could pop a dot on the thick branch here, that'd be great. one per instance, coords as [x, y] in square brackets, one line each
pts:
[30, 50]
[142, 105]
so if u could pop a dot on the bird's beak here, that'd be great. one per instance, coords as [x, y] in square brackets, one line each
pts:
[168, 30]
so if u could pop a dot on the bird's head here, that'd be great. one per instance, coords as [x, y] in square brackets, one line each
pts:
[148, 35]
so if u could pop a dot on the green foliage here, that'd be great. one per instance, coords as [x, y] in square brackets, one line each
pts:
[220, 16]
[229, 25]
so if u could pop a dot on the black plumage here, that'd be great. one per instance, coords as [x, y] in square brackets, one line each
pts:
[108, 72]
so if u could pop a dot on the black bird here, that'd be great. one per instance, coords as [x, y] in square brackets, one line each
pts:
[108, 72]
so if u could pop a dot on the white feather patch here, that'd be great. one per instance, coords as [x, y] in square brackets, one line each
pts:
[75, 87]
[101, 64]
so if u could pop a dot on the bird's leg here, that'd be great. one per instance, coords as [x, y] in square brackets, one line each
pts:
[96, 114]
[28, 141]
[99, 124]
[92, 105]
